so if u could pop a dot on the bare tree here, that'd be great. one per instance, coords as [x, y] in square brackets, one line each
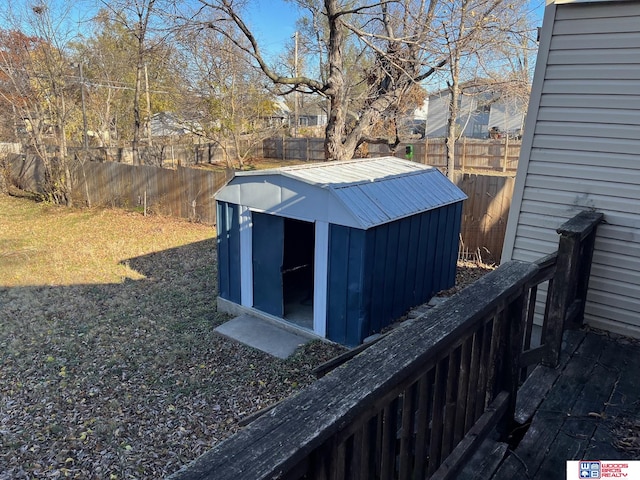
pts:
[35, 70]
[477, 39]
[224, 96]
[143, 20]
[390, 35]
[108, 55]
[398, 44]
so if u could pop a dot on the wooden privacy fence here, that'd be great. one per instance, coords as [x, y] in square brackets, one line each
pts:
[417, 403]
[285, 148]
[183, 192]
[484, 215]
[9, 148]
[471, 154]
[173, 192]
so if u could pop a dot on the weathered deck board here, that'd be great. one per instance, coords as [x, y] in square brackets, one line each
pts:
[623, 404]
[582, 419]
[485, 461]
[594, 391]
[533, 391]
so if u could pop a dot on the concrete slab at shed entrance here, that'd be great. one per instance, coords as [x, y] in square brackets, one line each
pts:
[262, 335]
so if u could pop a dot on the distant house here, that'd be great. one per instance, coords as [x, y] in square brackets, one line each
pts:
[168, 124]
[480, 110]
[280, 114]
[581, 151]
[312, 116]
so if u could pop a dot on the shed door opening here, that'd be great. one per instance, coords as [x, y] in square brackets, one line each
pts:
[297, 272]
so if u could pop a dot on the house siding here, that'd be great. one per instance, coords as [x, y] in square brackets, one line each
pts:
[582, 151]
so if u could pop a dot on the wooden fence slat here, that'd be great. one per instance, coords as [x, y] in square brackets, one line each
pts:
[450, 401]
[388, 443]
[483, 375]
[474, 375]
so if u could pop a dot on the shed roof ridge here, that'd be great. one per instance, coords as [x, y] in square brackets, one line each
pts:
[382, 178]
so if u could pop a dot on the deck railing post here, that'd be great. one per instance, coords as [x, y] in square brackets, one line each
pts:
[562, 293]
[569, 282]
[586, 258]
[517, 317]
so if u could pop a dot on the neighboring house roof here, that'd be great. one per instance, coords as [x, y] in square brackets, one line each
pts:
[357, 193]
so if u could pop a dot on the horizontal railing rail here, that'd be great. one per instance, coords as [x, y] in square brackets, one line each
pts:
[418, 402]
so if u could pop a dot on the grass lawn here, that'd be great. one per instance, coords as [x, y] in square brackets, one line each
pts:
[109, 366]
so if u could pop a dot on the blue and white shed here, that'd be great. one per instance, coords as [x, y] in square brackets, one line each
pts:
[340, 248]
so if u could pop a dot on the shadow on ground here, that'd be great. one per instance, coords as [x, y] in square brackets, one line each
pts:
[129, 379]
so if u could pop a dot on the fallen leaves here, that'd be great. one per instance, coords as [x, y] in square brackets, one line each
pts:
[128, 380]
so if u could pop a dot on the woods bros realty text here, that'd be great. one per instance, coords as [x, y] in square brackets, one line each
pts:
[603, 469]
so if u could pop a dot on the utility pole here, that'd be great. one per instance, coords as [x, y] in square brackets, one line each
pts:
[295, 93]
[146, 82]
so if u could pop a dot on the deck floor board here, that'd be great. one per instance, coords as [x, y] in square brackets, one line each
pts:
[596, 392]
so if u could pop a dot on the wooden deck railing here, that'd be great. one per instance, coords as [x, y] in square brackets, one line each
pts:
[418, 402]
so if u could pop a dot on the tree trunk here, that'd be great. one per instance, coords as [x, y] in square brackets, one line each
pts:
[4, 170]
[452, 134]
[64, 161]
[137, 123]
[334, 132]
[333, 146]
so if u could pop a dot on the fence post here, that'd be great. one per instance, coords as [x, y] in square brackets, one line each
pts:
[506, 152]
[464, 153]
[426, 151]
[586, 258]
[284, 157]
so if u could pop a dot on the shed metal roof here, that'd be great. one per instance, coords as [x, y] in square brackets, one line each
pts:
[357, 193]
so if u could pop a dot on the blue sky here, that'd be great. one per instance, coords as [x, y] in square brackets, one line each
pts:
[273, 23]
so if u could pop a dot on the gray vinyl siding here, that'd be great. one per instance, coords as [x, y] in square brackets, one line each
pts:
[581, 150]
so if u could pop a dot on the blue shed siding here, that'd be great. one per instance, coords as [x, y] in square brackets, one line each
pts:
[228, 242]
[376, 275]
[345, 281]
